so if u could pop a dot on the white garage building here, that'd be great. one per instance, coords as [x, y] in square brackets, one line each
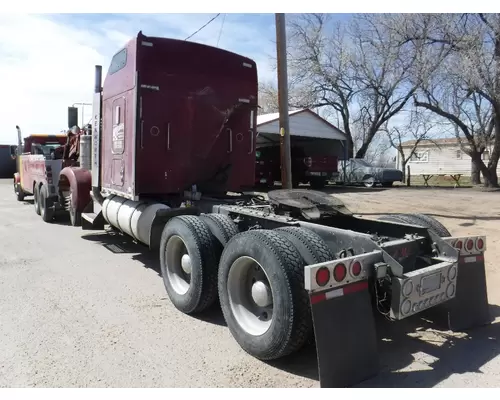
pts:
[305, 127]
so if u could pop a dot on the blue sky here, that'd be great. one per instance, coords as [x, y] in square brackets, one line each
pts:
[48, 60]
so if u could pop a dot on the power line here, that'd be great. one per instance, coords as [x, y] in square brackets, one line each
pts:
[221, 26]
[190, 36]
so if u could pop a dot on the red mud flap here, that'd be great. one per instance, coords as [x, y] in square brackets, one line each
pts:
[344, 327]
[469, 308]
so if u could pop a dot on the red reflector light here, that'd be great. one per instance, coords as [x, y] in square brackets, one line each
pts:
[355, 287]
[318, 298]
[459, 245]
[339, 272]
[470, 245]
[356, 268]
[322, 276]
[480, 244]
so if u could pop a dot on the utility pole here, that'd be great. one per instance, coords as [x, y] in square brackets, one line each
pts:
[286, 162]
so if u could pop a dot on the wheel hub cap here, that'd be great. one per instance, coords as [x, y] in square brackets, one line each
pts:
[186, 264]
[261, 294]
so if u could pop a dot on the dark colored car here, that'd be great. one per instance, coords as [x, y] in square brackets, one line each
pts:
[361, 171]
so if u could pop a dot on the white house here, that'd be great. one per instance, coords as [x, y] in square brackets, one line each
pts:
[306, 127]
[438, 157]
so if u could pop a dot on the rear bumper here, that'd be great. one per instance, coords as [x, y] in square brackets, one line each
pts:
[326, 175]
[343, 311]
[412, 293]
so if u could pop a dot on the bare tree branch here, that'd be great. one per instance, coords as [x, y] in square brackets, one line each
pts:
[464, 90]
[357, 68]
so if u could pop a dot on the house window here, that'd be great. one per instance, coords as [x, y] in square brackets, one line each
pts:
[486, 155]
[459, 154]
[420, 156]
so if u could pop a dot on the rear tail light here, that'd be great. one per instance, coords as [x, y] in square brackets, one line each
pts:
[407, 288]
[469, 245]
[356, 268]
[322, 276]
[406, 307]
[339, 272]
[308, 161]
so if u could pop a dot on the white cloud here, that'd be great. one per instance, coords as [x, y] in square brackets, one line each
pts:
[48, 61]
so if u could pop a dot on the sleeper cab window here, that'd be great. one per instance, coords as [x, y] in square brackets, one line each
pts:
[118, 62]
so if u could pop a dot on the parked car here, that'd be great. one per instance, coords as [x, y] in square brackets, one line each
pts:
[360, 171]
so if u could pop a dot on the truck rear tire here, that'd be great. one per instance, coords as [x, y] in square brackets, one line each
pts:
[36, 199]
[221, 226]
[431, 223]
[18, 191]
[309, 244]
[262, 295]
[422, 220]
[311, 247]
[393, 218]
[46, 205]
[189, 263]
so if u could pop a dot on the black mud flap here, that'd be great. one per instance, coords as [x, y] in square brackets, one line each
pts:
[469, 308]
[346, 338]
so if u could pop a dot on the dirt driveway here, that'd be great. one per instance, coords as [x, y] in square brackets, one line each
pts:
[463, 211]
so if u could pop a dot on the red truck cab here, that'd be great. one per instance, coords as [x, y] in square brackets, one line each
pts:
[39, 161]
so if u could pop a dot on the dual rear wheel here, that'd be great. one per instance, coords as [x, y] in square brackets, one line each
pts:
[36, 198]
[46, 204]
[423, 220]
[257, 276]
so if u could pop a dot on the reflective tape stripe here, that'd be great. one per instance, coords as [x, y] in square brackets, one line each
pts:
[471, 259]
[334, 293]
[355, 287]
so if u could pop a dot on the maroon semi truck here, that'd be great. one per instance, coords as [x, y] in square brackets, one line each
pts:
[172, 153]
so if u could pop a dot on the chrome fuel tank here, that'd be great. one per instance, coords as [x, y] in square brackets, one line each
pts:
[131, 217]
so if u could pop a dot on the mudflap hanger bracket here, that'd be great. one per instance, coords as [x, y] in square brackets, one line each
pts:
[342, 311]
[344, 324]
[469, 308]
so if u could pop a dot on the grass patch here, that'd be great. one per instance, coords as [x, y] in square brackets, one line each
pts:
[439, 181]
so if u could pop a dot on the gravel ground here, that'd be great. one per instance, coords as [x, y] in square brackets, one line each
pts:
[87, 309]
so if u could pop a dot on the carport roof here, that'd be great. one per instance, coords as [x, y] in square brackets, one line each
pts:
[303, 122]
